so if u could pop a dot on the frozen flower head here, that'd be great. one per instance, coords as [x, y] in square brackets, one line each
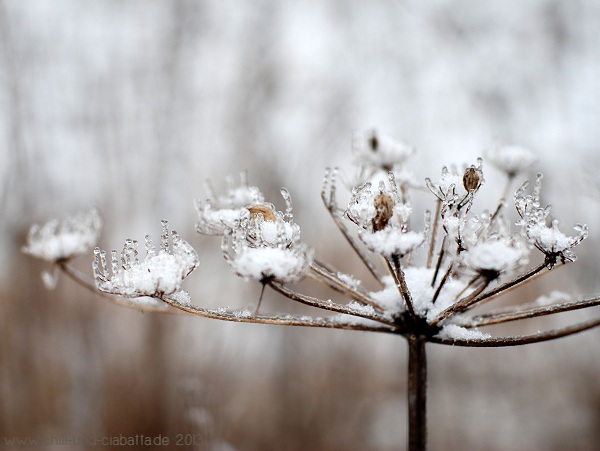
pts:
[383, 220]
[219, 212]
[374, 152]
[457, 190]
[62, 239]
[158, 274]
[265, 245]
[511, 159]
[549, 239]
[495, 255]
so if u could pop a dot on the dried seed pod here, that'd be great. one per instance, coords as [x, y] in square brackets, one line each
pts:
[373, 141]
[384, 210]
[472, 179]
[265, 210]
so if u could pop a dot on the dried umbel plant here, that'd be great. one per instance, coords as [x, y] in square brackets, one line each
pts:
[468, 258]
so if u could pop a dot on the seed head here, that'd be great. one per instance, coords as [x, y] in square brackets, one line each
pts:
[471, 179]
[384, 210]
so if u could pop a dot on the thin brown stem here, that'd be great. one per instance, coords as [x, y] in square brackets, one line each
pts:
[504, 316]
[442, 282]
[355, 246]
[438, 265]
[331, 280]
[87, 283]
[520, 339]
[436, 220]
[288, 320]
[328, 305]
[505, 287]
[463, 304]
[395, 269]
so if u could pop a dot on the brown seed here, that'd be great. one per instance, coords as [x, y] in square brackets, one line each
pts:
[374, 142]
[471, 179]
[265, 210]
[384, 210]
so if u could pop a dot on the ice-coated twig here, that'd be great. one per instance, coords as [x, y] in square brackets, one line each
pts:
[88, 284]
[246, 316]
[463, 304]
[519, 339]
[333, 281]
[366, 312]
[330, 202]
[525, 312]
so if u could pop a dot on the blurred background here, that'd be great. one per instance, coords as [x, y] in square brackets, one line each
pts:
[131, 105]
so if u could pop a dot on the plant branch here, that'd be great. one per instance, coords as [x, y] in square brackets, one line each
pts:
[329, 305]
[334, 282]
[417, 393]
[520, 339]
[288, 320]
[504, 316]
[86, 283]
[463, 304]
[398, 275]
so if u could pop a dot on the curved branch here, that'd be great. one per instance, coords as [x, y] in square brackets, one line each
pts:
[288, 320]
[338, 308]
[518, 340]
[503, 316]
[334, 282]
[86, 283]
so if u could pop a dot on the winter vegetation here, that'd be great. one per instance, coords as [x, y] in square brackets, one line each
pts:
[116, 116]
[472, 259]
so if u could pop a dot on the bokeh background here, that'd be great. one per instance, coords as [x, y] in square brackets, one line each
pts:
[131, 105]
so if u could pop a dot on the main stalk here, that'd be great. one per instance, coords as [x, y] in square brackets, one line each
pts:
[417, 393]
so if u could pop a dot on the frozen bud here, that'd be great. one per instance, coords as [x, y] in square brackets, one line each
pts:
[158, 274]
[61, 239]
[384, 210]
[380, 152]
[471, 179]
[266, 210]
[220, 212]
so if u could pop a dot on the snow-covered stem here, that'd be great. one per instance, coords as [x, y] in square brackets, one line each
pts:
[505, 287]
[442, 282]
[463, 304]
[287, 320]
[434, 229]
[524, 312]
[518, 340]
[438, 265]
[89, 285]
[395, 268]
[328, 305]
[331, 280]
[417, 393]
[329, 200]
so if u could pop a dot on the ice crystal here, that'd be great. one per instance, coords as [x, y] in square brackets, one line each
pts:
[456, 190]
[61, 239]
[158, 274]
[383, 220]
[219, 212]
[555, 244]
[267, 249]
